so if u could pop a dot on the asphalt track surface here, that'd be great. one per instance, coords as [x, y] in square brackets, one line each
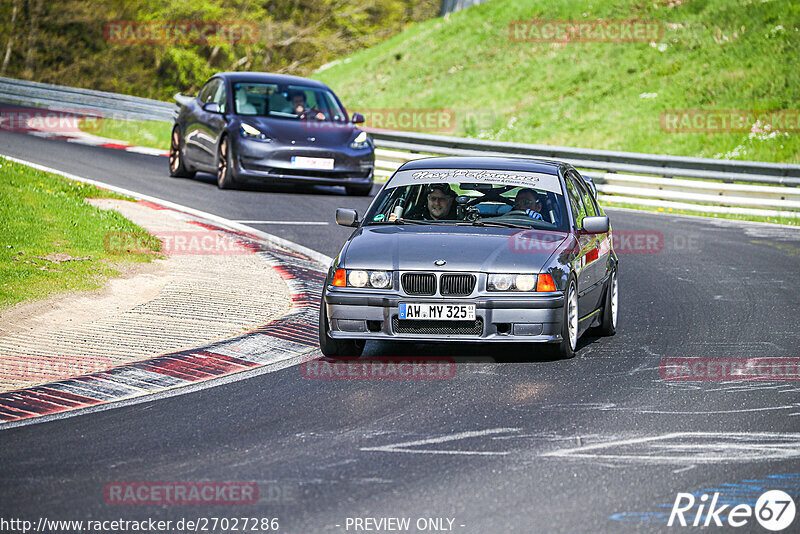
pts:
[512, 443]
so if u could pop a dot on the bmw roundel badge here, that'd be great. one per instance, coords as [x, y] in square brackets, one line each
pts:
[439, 263]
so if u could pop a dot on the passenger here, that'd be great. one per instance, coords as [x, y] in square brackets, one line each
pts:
[440, 203]
[527, 200]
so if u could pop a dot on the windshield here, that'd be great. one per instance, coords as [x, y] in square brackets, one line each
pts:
[472, 197]
[293, 102]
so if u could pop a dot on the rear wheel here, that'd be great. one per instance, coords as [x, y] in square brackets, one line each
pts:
[569, 325]
[358, 190]
[177, 167]
[225, 178]
[609, 325]
[336, 348]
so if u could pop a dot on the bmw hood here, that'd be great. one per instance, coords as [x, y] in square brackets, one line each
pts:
[463, 248]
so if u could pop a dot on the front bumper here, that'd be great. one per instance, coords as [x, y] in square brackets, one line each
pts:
[260, 161]
[497, 318]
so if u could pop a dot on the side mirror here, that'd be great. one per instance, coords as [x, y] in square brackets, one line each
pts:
[595, 225]
[346, 217]
[357, 118]
[211, 107]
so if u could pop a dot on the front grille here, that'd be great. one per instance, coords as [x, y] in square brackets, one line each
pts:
[457, 284]
[464, 328]
[419, 283]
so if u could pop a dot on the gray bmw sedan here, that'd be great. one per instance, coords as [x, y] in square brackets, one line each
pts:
[473, 249]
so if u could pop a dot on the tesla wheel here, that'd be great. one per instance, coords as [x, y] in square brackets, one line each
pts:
[177, 166]
[336, 348]
[225, 178]
[569, 326]
[358, 190]
[610, 311]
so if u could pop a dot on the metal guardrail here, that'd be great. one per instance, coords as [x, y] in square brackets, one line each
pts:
[605, 160]
[108, 105]
[650, 179]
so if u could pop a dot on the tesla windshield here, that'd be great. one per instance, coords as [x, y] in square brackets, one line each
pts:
[286, 102]
[479, 197]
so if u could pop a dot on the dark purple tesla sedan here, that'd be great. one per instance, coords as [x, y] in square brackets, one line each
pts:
[270, 127]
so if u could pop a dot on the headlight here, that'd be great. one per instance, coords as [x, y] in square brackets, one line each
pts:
[501, 282]
[380, 279]
[361, 278]
[251, 132]
[525, 282]
[361, 141]
[520, 282]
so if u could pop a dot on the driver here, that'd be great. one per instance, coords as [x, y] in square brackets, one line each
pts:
[528, 201]
[440, 203]
[299, 107]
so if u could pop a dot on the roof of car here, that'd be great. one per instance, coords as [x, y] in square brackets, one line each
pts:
[486, 162]
[267, 77]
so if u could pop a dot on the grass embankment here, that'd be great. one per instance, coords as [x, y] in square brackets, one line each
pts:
[52, 241]
[153, 134]
[714, 55]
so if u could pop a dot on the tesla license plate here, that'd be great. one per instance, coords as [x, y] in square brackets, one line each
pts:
[437, 312]
[312, 163]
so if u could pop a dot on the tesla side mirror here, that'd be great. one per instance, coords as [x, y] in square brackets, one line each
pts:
[211, 107]
[357, 118]
[346, 217]
[595, 225]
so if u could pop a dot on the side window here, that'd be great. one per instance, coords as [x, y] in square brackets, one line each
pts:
[588, 201]
[221, 97]
[575, 202]
[207, 92]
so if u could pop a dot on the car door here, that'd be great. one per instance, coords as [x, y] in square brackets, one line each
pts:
[195, 148]
[586, 243]
[203, 131]
[593, 265]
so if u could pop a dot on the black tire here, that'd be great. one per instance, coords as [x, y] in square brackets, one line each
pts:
[336, 348]
[177, 166]
[610, 307]
[225, 178]
[358, 190]
[569, 325]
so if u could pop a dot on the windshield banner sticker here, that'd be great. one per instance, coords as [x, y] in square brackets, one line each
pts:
[544, 182]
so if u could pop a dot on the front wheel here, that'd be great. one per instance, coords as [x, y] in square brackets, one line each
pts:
[609, 324]
[569, 325]
[177, 165]
[336, 348]
[225, 178]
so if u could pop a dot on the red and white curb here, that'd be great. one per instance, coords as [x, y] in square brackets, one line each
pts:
[277, 344]
[63, 125]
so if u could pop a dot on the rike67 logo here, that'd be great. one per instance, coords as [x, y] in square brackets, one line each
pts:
[774, 510]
